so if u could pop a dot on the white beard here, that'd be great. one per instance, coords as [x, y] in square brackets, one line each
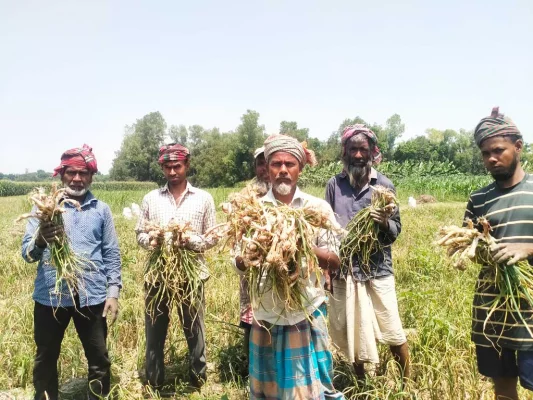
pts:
[76, 193]
[282, 189]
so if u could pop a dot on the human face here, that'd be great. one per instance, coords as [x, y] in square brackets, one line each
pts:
[358, 160]
[261, 170]
[76, 181]
[358, 150]
[501, 156]
[175, 171]
[284, 171]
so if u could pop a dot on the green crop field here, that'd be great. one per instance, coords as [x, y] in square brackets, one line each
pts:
[434, 303]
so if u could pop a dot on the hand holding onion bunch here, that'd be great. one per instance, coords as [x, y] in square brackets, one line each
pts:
[173, 270]
[362, 239]
[48, 210]
[513, 280]
[275, 244]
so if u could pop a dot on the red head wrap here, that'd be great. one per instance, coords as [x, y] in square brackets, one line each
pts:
[352, 130]
[79, 157]
[173, 152]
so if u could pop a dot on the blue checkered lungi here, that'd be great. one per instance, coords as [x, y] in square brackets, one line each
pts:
[292, 361]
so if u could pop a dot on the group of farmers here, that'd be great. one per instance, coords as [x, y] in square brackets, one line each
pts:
[289, 351]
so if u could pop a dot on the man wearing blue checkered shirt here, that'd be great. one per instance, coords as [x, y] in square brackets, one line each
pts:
[91, 234]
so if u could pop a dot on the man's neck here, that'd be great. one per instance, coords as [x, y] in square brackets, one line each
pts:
[285, 199]
[513, 180]
[177, 189]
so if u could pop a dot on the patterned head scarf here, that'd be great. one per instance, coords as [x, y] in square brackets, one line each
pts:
[495, 125]
[173, 152]
[289, 145]
[352, 130]
[79, 157]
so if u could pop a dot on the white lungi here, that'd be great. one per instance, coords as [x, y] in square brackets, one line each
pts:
[362, 313]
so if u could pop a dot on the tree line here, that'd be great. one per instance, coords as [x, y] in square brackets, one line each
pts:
[226, 158]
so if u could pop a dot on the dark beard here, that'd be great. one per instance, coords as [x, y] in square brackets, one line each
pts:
[358, 173]
[508, 174]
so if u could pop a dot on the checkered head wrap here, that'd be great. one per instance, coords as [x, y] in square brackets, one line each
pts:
[173, 152]
[352, 130]
[289, 145]
[495, 125]
[79, 157]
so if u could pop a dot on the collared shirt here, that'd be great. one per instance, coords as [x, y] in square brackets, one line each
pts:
[195, 206]
[92, 235]
[346, 201]
[271, 309]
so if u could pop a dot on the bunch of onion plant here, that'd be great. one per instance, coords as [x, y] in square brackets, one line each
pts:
[362, 239]
[173, 271]
[49, 207]
[276, 245]
[514, 283]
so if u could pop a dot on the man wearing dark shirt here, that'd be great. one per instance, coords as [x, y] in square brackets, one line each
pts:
[368, 297]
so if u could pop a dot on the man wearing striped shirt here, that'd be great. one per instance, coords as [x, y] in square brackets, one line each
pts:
[504, 347]
[180, 201]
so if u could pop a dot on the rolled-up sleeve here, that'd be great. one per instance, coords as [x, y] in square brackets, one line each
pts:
[111, 255]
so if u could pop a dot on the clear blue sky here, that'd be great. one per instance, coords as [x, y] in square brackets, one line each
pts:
[79, 71]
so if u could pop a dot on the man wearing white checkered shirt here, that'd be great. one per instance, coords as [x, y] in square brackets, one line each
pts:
[180, 201]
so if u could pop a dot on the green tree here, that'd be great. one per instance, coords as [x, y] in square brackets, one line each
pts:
[417, 149]
[331, 149]
[394, 129]
[43, 175]
[179, 134]
[213, 160]
[467, 157]
[137, 157]
[250, 136]
[291, 128]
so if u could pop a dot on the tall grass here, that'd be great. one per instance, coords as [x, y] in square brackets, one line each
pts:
[434, 299]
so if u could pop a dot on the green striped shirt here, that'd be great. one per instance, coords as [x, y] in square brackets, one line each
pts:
[510, 213]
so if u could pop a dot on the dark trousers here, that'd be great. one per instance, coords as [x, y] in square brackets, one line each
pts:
[192, 320]
[49, 328]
